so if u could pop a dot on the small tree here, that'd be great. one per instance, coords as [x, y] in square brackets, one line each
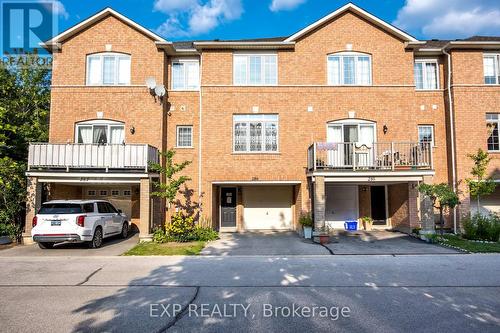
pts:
[442, 197]
[480, 185]
[169, 189]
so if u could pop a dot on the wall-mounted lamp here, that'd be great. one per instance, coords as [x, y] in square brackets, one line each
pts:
[132, 130]
[385, 129]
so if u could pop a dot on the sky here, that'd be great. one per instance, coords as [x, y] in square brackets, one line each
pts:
[235, 19]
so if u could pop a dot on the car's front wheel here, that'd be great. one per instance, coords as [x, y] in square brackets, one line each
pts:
[97, 239]
[45, 245]
[124, 233]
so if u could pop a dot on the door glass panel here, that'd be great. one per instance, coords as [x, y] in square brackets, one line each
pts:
[100, 134]
[350, 133]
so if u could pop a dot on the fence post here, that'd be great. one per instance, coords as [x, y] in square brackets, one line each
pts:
[392, 156]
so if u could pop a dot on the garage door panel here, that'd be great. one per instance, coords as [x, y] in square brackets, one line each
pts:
[267, 208]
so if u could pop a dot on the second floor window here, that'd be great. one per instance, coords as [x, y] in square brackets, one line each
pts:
[491, 64]
[426, 134]
[255, 133]
[255, 69]
[108, 69]
[426, 74]
[492, 121]
[349, 68]
[185, 75]
[100, 132]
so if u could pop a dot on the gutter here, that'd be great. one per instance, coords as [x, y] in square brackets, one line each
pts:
[200, 100]
[452, 135]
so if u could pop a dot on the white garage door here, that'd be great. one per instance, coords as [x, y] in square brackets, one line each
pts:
[341, 204]
[266, 207]
[489, 203]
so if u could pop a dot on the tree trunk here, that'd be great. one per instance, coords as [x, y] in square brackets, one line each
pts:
[478, 205]
[441, 220]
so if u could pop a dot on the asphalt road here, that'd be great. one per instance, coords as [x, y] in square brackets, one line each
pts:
[442, 293]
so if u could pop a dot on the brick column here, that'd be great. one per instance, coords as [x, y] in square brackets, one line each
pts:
[319, 203]
[145, 210]
[33, 203]
[413, 198]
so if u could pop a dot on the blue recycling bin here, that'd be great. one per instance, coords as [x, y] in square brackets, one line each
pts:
[351, 225]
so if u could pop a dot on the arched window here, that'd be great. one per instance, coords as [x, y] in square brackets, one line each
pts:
[349, 68]
[108, 69]
[100, 132]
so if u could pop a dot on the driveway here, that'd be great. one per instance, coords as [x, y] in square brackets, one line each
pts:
[275, 243]
[382, 242]
[113, 246]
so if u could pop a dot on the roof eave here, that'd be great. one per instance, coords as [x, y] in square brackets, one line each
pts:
[244, 45]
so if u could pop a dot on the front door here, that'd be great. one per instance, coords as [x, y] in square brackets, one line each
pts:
[378, 199]
[228, 207]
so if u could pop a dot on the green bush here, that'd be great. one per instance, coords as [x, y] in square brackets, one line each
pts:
[160, 236]
[183, 229]
[306, 220]
[204, 234]
[11, 230]
[482, 227]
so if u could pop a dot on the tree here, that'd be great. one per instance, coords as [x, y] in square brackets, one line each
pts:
[442, 197]
[24, 118]
[480, 185]
[169, 189]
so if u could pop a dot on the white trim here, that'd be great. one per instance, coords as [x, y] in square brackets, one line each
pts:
[433, 141]
[358, 11]
[356, 56]
[263, 143]
[424, 73]
[257, 182]
[89, 21]
[262, 70]
[177, 135]
[183, 61]
[314, 86]
[88, 175]
[100, 122]
[101, 56]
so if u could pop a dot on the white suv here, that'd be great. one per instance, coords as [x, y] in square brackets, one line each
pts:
[77, 221]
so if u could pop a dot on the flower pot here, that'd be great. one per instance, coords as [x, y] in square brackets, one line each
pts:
[4, 240]
[323, 239]
[307, 232]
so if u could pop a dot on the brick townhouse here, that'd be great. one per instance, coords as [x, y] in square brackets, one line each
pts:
[343, 119]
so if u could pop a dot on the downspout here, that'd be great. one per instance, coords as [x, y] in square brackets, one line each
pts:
[199, 135]
[452, 137]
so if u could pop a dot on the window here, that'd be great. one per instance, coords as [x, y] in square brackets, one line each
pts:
[185, 74]
[349, 68]
[115, 193]
[492, 121]
[426, 74]
[185, 136]
[103, 208]
[491, 64]
[111, 208]
[108, 69]
[100, 132]
[255, 133]
[255, 69]
[91, 193]
[103, 192]
[88, 207]
[426, 134]
[127, 193]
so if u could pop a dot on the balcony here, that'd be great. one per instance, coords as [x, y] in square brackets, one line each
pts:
[350, 156]
[108, 157]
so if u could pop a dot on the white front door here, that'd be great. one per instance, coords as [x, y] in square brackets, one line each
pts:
[267, 207]
[341, 204]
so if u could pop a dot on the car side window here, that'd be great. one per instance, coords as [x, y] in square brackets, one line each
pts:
[112, 208]
[88, 208]
[102, 207]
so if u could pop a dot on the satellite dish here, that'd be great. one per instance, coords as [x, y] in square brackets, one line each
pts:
[151, 82]
[160, 90]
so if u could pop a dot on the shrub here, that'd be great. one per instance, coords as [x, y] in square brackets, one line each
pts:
[160, 236]
[306, 220]
[11, 230]
[180, 227]
[482, 227]
[204, 234]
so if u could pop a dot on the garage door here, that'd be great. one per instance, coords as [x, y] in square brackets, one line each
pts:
[489, 203]
[267, 207]
[341, 204]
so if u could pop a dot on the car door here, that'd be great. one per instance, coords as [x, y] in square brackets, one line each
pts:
[116, 218]
[106, 217]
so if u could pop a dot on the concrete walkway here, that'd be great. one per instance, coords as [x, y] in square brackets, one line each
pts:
[273, 243]
[382, 242]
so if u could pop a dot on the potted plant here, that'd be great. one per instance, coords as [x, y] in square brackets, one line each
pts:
[307, 223]
[367, 223]
[323, 234]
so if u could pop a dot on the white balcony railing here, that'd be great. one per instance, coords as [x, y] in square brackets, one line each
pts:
[375, 156]
[91, 156]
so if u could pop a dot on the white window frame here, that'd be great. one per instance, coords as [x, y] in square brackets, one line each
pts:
[100, 122]
[177, 136]
[262, 69]
[425, 61]
[101, 56]
[341, 55]
[497, 122]
[496, 64]
[256, 120]
[184, 61]
[433, 141]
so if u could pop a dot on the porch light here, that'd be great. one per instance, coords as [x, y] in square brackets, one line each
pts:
[132, 130]
[385, 129]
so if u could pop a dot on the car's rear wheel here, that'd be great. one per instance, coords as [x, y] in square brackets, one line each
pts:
[124, 233]
[97, 239]
[45, 245]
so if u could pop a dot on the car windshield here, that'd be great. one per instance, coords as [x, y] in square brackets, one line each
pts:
[60, 208]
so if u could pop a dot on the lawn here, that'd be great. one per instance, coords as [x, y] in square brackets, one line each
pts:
[165, 249]
[471, 246]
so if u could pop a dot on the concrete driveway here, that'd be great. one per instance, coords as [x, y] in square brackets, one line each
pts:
[113, 246]
[382, 242]
[275, 243]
